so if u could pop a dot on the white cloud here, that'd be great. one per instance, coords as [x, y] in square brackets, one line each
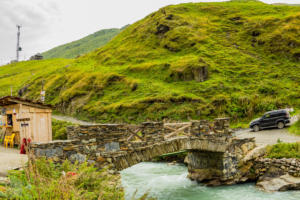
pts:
[34, 16]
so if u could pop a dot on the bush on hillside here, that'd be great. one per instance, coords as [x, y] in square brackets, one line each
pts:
[284, 150]
[59, 129]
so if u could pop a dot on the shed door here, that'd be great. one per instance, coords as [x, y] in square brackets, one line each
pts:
[43, 128]
[24, 130]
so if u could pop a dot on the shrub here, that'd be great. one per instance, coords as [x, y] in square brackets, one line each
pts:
[59, 129]
[295, 128]
[284, 150]
[42, 179]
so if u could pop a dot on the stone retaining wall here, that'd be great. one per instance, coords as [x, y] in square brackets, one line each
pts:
[276, 167]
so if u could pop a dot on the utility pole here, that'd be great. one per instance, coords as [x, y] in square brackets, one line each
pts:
[18, 42]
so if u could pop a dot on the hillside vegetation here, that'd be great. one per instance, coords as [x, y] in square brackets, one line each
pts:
[84, 45]
[150, 71]
[295, 128]
[43, 179]
[284, 150]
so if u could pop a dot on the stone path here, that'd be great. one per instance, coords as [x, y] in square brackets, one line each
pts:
[10, 159]
[72, 120]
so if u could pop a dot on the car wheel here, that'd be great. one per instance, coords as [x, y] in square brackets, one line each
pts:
[256, 128]
[280, 125]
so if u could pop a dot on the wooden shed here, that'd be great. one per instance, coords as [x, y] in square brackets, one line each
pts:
[26, 119]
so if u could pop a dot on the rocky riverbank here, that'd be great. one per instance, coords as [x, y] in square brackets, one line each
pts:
[270, 174]
[277, 174]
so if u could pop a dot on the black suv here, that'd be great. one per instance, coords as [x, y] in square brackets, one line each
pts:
[275, 118]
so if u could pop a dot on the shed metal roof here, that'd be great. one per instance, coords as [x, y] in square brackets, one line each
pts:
[11, 100]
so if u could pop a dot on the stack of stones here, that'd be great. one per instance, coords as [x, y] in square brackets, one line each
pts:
[275, 167]
[203, 127]
[221, 125]
[101, 134]
[57, 150]
[153, 132]
[200, 128]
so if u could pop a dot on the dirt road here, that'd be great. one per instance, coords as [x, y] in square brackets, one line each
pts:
[10, 159]
[270, 136]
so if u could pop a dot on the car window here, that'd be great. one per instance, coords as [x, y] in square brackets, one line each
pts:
[279, 114]
[267, 116]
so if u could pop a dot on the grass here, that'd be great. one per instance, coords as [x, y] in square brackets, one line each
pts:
[84, 45]
[295, 128]
[59, 129]
[147, 72]
[42, 179]
[284, 150]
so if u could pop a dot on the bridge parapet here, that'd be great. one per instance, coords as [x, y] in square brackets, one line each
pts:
[110, 144]
[148, 133]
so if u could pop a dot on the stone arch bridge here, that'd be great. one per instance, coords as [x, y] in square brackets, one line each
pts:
[213, 153]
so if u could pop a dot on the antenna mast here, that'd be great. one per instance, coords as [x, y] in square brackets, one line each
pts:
[18, 42]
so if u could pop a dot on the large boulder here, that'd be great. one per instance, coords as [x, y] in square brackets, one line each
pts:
[281, 183]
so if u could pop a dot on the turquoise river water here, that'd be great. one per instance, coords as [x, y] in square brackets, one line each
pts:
[169, 182]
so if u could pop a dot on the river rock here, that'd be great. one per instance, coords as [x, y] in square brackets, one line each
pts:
[281, 183]
[255, 153]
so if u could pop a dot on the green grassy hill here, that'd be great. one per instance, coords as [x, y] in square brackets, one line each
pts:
[84, 45]
[149, 71]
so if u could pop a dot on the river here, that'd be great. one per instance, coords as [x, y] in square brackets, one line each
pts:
[169, 182]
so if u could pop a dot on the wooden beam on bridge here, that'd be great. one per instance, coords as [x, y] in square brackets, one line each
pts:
[134, 133]
[172, 129]
[177, 131]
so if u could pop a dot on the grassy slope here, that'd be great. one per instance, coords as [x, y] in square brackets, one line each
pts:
[251, 49]
[284, 150]
[82, 46]
[295, 128]
[59, 129]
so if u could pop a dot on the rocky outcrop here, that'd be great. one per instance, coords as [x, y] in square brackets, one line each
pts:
[197, 73]
[277, 174]
[281, 183]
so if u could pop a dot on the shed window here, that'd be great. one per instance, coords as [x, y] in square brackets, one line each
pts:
[9, 120]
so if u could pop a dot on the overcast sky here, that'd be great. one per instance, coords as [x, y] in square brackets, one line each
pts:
[48, 23]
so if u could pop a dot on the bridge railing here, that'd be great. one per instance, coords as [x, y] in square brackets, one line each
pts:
[110, 137]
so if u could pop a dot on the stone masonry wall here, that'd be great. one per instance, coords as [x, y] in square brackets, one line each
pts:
[222, 168]
[100, 135]
[276, 167]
